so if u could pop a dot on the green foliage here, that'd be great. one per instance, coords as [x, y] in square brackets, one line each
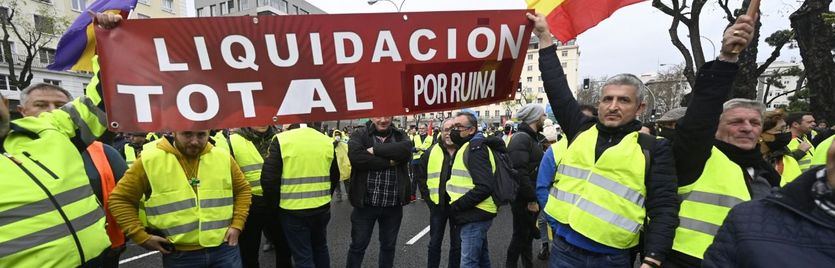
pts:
[799, 102]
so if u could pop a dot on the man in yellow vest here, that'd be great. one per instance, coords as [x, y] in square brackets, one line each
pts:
[47, 220]
[470, 188]
[298, 178]
[718, 162]
[432, 173]
[611, 180]
[41, 98]
[820, 152]
[250, 146]
[196, 201]
[421, 140]
[131, 150]
[800, 124]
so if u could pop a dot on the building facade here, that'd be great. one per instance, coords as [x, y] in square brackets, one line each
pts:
[216, 8]
[777, 97]
[51, 17]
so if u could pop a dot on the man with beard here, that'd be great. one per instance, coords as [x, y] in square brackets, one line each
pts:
[610, 180]
[718, 161]
[434, 171]
[250, 146]
[380, 186]
[800, 124]
[525, 153]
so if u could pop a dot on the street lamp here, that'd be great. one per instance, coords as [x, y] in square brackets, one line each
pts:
[708, 39]
[371, 2]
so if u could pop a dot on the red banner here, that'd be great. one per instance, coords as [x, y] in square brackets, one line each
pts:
[224, 72]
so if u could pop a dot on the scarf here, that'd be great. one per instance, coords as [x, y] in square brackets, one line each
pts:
[750, 158]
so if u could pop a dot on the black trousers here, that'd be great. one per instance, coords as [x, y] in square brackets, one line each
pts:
[524, 229]
[261, 218]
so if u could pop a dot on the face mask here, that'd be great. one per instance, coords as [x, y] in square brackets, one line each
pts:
[780, 141]
[455, 136]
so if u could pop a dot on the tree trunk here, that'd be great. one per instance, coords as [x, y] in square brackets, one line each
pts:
[745, 84]
[813, 37]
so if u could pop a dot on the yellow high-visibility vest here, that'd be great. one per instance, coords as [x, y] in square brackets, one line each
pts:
[791, 169]
[421, 145]
[307, 156]
[706, 203]
[558, 149]
[250, 161]
[460, 182]
[820, 157]
[433, 172]
[130, 154]
[603, 200]
[186, 217]
[805, 162]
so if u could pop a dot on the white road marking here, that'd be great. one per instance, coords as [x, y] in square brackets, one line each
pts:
[418, 236]
[138, 257]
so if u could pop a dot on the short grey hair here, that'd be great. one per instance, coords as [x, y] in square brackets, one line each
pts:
[470, 118]
[744, 103]
[627, 80]
[24, 95]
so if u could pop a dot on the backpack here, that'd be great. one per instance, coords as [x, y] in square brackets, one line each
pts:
[506, 186]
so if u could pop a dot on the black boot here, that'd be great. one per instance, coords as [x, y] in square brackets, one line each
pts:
[544, 252]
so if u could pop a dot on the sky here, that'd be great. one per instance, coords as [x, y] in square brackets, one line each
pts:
[633, 40]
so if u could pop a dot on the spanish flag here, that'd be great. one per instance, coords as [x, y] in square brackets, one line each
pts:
[569, 18]
[78, 44]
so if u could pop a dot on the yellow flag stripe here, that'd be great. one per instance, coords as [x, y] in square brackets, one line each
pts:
[544, 6]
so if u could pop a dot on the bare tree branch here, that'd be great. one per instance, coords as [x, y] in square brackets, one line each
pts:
[728, 14]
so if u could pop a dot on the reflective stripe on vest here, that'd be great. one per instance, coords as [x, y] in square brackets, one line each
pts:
[558, 149]
[249, 160]
[819, 159]
[460, 182]
[706, 203]
[433, 176]
[604, 199]
[305, 178]
[805, 162]
[184, 217]
[791, 170]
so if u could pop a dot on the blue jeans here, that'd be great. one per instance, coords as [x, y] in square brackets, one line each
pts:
[474, 252]
[437, 224]
[307, 238]
[223, 256]
[362, 226]
[565, 255]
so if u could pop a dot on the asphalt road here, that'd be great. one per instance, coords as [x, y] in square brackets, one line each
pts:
[415, 220]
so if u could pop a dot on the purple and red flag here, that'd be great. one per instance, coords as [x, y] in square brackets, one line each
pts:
[78, 44]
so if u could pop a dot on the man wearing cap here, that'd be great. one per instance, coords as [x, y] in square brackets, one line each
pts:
[525, 154]
[668, 122]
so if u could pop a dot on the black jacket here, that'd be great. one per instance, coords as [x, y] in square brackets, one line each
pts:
[271, 181]
[464, 209]
[525, 153]
[399, 151]
[662, 201]
[420, 177]
[786, 229]
[696, 134]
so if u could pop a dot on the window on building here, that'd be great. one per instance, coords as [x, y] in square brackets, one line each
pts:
[78, 5]
[477, 113]
[448, 114]
[541, 90]
[497, 113]
[45, 1]
[4, 13]
[564, 65]
[46, 55]
[538, 100]
[486, 113]
[213, 11]
[146, 2]
[530, 67]
[168, 5]
[565, 53]
[530, 56]
[5, 83]
[540, 78]
[533, 46]
[231, 6]
[518, 102]
[44, 24]
[530, 79]
[51, 81]
[223, 10]
[200, 12]
[4, 53]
